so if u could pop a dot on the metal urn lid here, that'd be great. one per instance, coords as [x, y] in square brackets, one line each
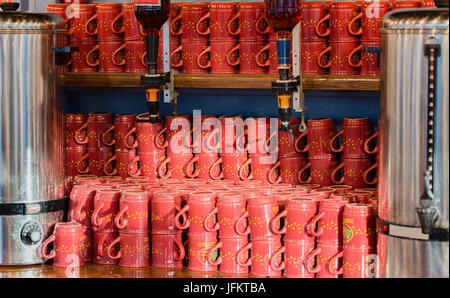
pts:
[13, 21]
[409, 20]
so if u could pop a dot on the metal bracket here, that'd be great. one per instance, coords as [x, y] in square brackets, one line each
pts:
[168, 88]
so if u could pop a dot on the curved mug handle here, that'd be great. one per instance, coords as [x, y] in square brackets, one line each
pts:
[367, 142]
[211, 252]
[352, 53]
[190, 164]
[114, 21]
[216, 164]
[273, 227]
[202, 19]
[241, 219]
[273, 259]
[248, 262]
[322, 20]
[210, 215]
[182, 213]
[119, 221]
[310, 227]
[52, 254]
[85, 171]
[119, 253]
[333, 174]
[320, 58]
[272, 173]
[199, 58]
[137, 173]
[366, 172]
[334, 260]
[105, 166]
[300, 174]
[161, 166]
[78, 132]
[340, 149]
[110, 129]
[297, 141]
[231, 21]
[229, 55]
[309, 261]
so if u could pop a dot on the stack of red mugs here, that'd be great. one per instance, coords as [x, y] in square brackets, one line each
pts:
[321, 160]
[94, 133]
[356, 160]
[132, 222]
[76, 154]
[131, 54]
[267, 57]
[124, 146]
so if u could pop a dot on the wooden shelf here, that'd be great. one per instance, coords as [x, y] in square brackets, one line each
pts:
[234, 81]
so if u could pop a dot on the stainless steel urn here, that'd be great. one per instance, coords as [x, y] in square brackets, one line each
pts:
[414, 144]
[31, 134]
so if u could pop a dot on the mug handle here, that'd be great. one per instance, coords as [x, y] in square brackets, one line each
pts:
[161, 166]
[52, 254]
[127, 136]
[182, 252]
[322, 20]
[234, 49]
[210, 215]
[310, 227]
[333, 174]
[334, 260]
[134, 161]
[97, 62]
[273, 259]
[367, 142]
[95, 32]
[158, 136]
[297, 141]
[241, 252]
[197, 26]
[216, 164]
[105, 166]
[351, 25]
[96, 222]
[100, 244]
[85, 171]
[199, 58]
[210, 254]
[259, 21]
[114, 55]
[273, 227]
[208, 138]
[300, 174]
[241, 173]
[310, 260]
[77, 134]
[366, 172]
[241, 218]
[182, 213]
[320, 58]
[113, 23]
[119, 253]
[272, 173]
[340, 149]
[353, 52]
[268, 141]
[172, 30]
[180, 63]
[110, 129]
[190, 164]
[77, 212]
[259, 55]
[119, 221]
[230, 21]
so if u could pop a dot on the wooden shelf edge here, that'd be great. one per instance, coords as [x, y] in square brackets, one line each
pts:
[233, 81]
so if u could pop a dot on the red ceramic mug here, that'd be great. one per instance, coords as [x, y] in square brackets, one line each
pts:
[104, 16]
[310, 14]
[257, 135]
[79, 16]
[98, 159]
[81, 204]
[78, 60]
[229, 210]
[72, 122]
[359, 226]
[310, 51]
[246, 59]
[123, 124]
[233, 167]
[368, 142]
[102, 240]
[289, 169]
[402, 4]
[177, 131]
[217, 62]
[371, 15]
[76, 160]
[123, 159]
[298, 259]
[327, 260]
[227, 257]
[427, 4]
[134, 250]
[133, 212]
[167, 250]
[370, 63]
[105, 62]
[319, 133]
[340, 54]
[252, 25]
[221, 22]
[203, 166]
[356, 262]
[135, 56]
[261, 169]
[198, 248]
[192, 22]
[286, 140]
[340, 17]
[319, 171]
[146, 134]
[268, 57]
[175, 164]
[261, 210]
[67, 238]
[164, 206]
[60, 9]
[125, 22]
[262, 251]
[96, 125]
[148, 164]
[106, 206]
[354, 132]
[354, 171]
[232, 128]
[198, 206]
[190, 61]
